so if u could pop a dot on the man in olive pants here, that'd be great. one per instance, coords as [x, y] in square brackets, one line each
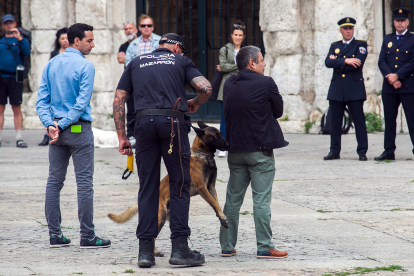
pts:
[253, 100]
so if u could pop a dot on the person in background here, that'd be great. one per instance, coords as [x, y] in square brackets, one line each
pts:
[131, 34]
[60, 45]
[228, 65]
[13, 49]
[144, 44]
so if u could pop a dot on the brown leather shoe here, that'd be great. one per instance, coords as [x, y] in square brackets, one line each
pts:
[272, 254]
[228, 253]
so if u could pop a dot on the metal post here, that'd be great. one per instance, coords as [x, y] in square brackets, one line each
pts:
[160, 17]
[153, 9]
[202, 38]
[168, 10]
[228, 20]
[212, 36]
[182, 9]
[253, 21]
[191, 30]
[221, 39]
[176, 15]
[235, 10]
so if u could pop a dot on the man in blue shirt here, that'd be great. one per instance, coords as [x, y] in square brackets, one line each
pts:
[13, 48]
[63, 105]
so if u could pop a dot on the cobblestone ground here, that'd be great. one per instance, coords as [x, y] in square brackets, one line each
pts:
[331, 216]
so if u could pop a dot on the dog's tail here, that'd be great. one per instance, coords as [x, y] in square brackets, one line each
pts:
[125, 216]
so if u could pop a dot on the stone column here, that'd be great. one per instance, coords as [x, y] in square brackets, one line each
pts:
[107, 18]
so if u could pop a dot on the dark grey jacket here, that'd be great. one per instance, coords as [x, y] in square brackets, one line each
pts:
[252, 103]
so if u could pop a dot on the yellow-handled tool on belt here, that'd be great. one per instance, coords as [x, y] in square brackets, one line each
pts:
[130, 167]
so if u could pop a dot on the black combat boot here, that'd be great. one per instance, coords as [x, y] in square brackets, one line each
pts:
[146, 257]
[182, 255]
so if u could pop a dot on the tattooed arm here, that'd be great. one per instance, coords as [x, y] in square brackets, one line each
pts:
[121, 97]
[203, 89]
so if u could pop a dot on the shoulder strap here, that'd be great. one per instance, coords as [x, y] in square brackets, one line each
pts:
[227, 51]
[9, 48]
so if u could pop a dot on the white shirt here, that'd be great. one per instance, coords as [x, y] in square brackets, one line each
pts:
[235, 54]
[349, 41]
[402, 33]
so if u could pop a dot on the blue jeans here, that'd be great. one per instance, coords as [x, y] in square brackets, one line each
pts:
[222, 123]
[81, 147]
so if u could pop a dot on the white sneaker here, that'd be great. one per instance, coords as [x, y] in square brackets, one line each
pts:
[222, 153]
[132, 141]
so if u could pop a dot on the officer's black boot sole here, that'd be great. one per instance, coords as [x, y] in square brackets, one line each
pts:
[187, 262]
[146, 263]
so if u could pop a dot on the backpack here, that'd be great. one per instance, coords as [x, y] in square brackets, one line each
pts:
[325, 127]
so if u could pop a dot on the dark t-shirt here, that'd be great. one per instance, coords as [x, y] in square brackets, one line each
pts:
[158, 79]
[124, 47]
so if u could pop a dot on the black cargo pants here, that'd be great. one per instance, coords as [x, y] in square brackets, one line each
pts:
[152, 134]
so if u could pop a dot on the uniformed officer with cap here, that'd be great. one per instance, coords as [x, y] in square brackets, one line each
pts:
[347, 88]
[396, 63]
[157, 81]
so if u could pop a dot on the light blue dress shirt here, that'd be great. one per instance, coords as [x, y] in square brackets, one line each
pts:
[66, 89]
[133, 48]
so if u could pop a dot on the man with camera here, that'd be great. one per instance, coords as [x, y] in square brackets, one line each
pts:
[13, 49]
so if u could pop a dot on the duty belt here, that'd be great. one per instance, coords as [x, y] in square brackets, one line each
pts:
[159, 112]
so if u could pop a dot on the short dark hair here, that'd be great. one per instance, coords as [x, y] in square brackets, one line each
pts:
[245, 55]
[78, 30]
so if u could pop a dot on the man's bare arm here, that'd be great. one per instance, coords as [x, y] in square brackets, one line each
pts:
[121, 97]
[203, 89]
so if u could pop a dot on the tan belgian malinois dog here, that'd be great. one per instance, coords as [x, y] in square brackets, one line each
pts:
[203, 171]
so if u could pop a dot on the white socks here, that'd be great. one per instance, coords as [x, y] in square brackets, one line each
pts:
[19, 135]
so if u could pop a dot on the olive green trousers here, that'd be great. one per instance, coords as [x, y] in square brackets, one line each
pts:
[259, 170]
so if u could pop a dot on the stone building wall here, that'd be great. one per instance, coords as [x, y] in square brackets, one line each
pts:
[297, 36]
[45, 17]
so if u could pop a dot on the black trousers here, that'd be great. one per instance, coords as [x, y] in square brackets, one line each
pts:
[152, 134]
[130, 116]
[391, 103]
[357, 113]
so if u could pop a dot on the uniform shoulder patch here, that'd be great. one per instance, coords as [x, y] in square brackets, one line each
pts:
[362, 50]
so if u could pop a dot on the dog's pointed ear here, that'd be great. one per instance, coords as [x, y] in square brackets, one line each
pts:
[200, 132]
[202, 125]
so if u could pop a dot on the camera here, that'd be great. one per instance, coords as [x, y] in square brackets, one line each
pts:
[20, 73]
[9, 32]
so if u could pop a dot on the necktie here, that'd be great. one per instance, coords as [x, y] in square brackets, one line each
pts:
[399, 38]
[345, 44]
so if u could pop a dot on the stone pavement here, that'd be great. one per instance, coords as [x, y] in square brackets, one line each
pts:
[331, 216]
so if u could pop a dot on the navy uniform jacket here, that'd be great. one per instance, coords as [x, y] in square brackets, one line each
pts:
[397, 58]
[347, 82]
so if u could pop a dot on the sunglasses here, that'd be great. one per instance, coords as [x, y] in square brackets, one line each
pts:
[129, 22]
[241, 27]
[143, 26]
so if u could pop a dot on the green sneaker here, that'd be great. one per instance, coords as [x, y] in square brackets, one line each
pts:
[96, 242]
[59, 241]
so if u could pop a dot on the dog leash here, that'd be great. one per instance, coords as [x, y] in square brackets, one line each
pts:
[176, 108]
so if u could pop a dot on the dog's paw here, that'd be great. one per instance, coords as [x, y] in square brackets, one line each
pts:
[224, 222]
[158, 254]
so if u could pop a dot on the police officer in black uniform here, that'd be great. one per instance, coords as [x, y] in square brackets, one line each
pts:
[157, 81]
[347, 87]
[396, 62]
